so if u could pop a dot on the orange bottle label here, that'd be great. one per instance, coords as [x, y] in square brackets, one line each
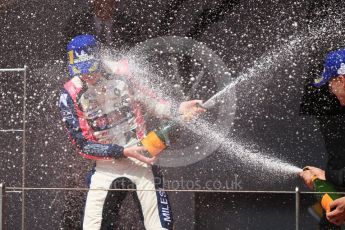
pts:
[153, 143]
[325, 201]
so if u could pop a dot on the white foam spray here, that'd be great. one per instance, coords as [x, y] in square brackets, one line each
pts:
[234, 148]
[295, 47]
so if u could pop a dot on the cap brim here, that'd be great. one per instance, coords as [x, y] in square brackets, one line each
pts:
[321, 83]
[324, 80]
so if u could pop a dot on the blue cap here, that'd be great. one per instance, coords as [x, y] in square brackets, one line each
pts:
[82, 55]
[334, 66]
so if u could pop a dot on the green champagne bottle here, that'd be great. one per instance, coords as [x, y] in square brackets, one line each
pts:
[158, 140]
[325, 197]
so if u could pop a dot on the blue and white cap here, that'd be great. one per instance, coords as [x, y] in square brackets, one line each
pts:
[334, 66]
[82, 55]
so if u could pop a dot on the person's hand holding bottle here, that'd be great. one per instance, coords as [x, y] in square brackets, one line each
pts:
[337, 215]
[136, 152]
[308, 173]
[190, 109]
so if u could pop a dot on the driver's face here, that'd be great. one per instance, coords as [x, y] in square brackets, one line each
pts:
[336, 86]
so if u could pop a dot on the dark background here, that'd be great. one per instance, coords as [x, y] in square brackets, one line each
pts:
[269, 115]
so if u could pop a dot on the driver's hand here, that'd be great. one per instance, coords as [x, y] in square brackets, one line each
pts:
[136, 152]
[308, 174]
[337, 215]
[190, 109]
[307, 177]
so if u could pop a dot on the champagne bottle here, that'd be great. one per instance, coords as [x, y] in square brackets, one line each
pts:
[158, 140]
[325, 197]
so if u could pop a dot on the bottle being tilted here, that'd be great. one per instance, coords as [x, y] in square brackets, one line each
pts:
[158, 140]
[327, 194]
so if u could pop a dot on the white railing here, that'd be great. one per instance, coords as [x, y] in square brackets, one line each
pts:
[24, 70]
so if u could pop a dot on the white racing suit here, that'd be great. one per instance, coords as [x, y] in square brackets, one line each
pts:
[102, 120]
